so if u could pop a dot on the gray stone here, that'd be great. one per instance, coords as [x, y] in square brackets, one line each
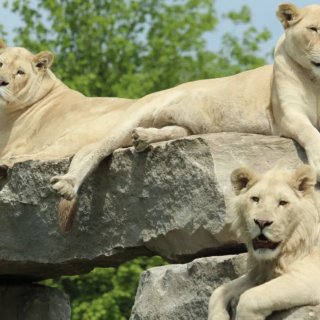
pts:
[182, 292]
[170, 200]
[303, 313]
[33, 302]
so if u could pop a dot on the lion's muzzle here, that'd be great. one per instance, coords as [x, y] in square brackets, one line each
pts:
[262, 242]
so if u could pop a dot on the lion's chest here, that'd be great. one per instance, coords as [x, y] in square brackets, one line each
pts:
[18, 134]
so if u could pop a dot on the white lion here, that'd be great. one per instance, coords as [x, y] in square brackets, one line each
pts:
[241, 103]
[41, 118]
[277, 216]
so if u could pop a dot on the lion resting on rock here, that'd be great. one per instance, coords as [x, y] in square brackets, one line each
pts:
[277, 216]
[41, 118]
[274, 100]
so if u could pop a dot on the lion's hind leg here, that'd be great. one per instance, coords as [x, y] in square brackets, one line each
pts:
[142, 137]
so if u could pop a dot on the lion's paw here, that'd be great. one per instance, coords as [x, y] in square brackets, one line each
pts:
[140, 139]
[64, 187]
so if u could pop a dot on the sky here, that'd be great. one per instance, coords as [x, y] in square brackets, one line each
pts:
[263, 15]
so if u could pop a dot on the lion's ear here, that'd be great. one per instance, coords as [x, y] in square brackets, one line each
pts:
[288, 14]
[2, 44]
[304, 179]
[242, 178]
[43, 60]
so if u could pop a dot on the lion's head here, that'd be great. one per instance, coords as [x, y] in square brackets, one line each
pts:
[24, 77]
[276, 213]
[302, 34]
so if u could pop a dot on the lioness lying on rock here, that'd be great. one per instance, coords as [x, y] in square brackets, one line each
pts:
[41, 118]
[277, 216]
[275, 100]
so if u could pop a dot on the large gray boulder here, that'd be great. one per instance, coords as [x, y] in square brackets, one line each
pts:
[33, 302]
[170, 200]
[182, 291]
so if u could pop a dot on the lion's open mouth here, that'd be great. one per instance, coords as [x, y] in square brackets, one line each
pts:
[262, 242]
[317, 64]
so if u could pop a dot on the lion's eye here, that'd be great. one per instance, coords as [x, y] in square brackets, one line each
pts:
[255, 199]
[1, 64]
[283, 203]
[21, 72]
[314, 29]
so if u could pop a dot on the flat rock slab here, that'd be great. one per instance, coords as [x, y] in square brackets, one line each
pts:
[182, 291]
[170, 200]
[33, 302]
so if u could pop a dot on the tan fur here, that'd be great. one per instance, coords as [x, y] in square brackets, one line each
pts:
[66, 214]
[281, 100]
[295, 92]
[41, 118]
[286, 276]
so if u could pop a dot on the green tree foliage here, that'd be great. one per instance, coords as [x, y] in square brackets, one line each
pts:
[105, 294]
[240, 53]
[117, 47]
[129, 48]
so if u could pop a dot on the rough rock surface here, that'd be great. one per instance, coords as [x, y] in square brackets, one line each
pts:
[169, 201]
[33, 303]
[182, 291]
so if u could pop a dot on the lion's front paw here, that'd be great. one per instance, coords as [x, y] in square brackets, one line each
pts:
[140, 139]
[248, 308]
[3, 171]
[64, 186]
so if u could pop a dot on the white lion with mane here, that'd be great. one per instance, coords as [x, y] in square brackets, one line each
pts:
[277, 216]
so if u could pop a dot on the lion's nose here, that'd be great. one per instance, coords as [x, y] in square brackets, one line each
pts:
[262, 223]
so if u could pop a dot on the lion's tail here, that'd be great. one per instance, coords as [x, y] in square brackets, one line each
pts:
[66, 213]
